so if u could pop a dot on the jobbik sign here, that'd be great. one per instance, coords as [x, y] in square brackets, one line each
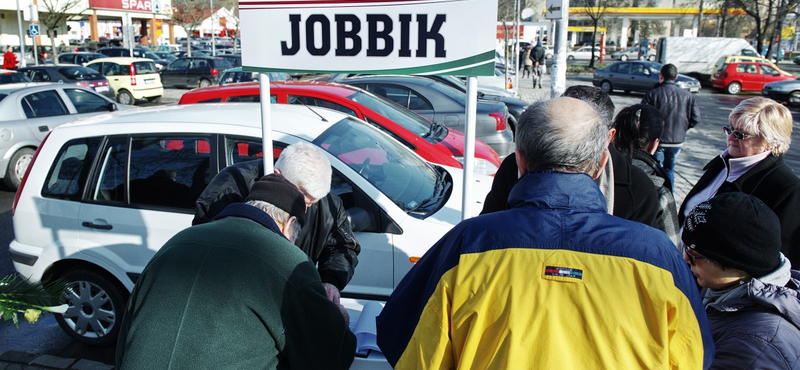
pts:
[380, 37]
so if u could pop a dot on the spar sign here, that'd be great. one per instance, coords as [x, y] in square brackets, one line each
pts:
[379, 36]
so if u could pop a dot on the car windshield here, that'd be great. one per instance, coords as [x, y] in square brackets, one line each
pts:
[655, 68]
[79, 73]
[150, 55]
[393, 111]
[411, 183]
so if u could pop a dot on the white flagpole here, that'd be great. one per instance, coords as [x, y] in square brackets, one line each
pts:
[266, 123]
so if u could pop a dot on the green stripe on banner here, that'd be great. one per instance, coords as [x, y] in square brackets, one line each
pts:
[479, 65]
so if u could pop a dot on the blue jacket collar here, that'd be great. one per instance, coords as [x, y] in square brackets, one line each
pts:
[246, 211]
[557, 190]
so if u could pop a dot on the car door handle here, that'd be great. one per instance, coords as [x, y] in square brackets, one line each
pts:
[93, 225]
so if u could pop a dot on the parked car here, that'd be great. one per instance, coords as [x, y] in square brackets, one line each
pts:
[8, 76]
[583, 53]
[444, 105]
[72, 74]
[194, 71]
[734, 78]
[236, 75]
[786, 91]
[637, 76]
[132, 78]
[165, 55]
[79, 58]
[747, 58]
[28, 112]
[45, 54]
[234, 59]
[796, 59]
[103, 195]
[432, 142]
[115, 51]
[633, 53]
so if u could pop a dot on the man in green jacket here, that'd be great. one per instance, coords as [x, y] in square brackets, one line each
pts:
[235, 293]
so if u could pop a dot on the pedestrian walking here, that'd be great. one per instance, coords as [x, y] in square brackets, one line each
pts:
[9, 59]
[528, 62]
[680, 113]
[537, 56]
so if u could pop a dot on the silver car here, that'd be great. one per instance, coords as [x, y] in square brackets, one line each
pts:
[633, 54]
[28, 111]
[637, 76]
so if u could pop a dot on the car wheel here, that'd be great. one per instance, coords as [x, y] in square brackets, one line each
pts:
[95, 308]
[17, 166]
[125, 97]
[652, 58]
[623, 58]
[606, 87]
[154, 99]
[733, 88]
[204, 83]
[570, 57]
[550, 56]
[794, 99]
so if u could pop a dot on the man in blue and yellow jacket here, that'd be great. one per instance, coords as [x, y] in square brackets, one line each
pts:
[554, 282]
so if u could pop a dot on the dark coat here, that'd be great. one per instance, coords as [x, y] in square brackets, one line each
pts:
[760, 330]
[667, 216]
[232, 294]
[635, 196]
[326, 237]
[772, 181]
[537, 54]
[678, 108]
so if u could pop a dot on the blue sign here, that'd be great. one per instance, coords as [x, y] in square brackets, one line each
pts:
[34, 29]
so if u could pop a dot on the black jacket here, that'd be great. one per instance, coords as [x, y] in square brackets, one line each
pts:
[537, 55]
[667, 217]
[772, 181]
[326, 237]
[678, 108]
[635, 196]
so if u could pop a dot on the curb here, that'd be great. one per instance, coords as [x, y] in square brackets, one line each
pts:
[17, 360]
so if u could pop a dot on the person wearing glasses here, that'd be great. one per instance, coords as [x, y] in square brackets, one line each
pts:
[638, 129]
[750, 293]
[759, 135]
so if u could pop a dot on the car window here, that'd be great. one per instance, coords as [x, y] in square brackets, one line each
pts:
[235, 77]
[86, 102]
[316, 102]
[111, 69]
[67, 176]
[620, 68]
[160, 170]
[178, 65]
[14, 77]
[221, 64]
[767, 70]
[747, 68]
[37, 75]
[389, 109]
[199, 63]
[396, 94]
[66, 58]
[44, 104]
[244, 99]
[97, 67]
[239, 150]
[638, 69]
[142, 68]
[78, 73]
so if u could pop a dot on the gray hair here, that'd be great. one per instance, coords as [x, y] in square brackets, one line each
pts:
[766, 118]
[307, 167]
[559, 140]
[278, 215]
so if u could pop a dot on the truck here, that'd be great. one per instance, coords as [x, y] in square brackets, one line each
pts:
[697, 56]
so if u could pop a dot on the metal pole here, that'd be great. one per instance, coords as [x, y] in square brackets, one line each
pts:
[213, 43]
[34, 9]
[520, 62]
[469, 146]
[266, 123]
[558, 71]
[21, 38]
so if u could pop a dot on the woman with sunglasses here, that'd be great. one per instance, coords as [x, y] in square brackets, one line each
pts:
[638, 129]
[750, 293]
[758, 136]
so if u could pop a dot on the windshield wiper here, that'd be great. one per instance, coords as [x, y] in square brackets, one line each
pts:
[439, 190]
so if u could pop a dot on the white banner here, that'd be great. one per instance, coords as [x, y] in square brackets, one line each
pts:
[379, 37]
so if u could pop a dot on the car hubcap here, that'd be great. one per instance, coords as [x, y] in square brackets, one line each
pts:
[125, 99]
[91, 313]
[22, 165]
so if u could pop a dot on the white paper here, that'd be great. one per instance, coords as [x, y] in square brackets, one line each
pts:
[366, 329]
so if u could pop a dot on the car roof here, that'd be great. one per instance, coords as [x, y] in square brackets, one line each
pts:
[120, 60]
[393, 78]
[297, 120]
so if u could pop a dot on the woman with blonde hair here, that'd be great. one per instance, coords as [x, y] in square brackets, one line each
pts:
[759, 135]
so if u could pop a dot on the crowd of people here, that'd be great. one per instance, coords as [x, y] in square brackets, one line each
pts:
[581, 258]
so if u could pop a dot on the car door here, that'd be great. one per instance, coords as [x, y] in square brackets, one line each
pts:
[198, 69]
[45, 110]
[749, 76]
[768, 74]
[38, 75]
[619, 75]
[113, 73]
[175, 73]
[641, 78]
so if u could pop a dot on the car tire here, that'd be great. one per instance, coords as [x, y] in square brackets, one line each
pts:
[570, 57]
[204, 83]
[623, 58]
[125, 97]
[733, 88]
[606, 87]
[95, 303]
[17, 166]
[652, 58]
[794, 99]
[154, 99]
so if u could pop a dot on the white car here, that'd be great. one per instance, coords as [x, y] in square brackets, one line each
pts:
[633, 54]
[584, 53]
[28, 111]
[105, 193]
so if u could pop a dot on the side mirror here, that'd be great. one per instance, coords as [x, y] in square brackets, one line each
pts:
[112, 107]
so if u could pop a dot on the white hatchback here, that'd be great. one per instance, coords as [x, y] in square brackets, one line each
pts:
[104, 194]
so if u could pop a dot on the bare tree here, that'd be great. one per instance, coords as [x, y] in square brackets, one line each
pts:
[506, 12]
[189, 14]
[54, 14]
[763, 13]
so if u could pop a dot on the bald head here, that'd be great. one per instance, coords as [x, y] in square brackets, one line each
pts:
[563, 134]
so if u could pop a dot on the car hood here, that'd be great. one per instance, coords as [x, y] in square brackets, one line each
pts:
[454, 142]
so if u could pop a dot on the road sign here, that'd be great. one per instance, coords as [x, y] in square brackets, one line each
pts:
[553, 9]
[34, 29]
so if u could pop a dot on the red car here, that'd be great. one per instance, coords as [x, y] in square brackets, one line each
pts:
[429, 140]
[746, 76]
